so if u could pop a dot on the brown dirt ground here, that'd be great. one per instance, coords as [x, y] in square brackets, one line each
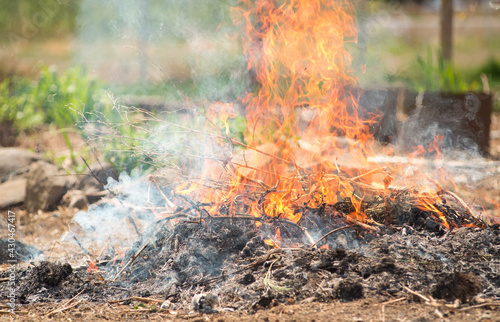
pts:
[362, 310]
[44, 230]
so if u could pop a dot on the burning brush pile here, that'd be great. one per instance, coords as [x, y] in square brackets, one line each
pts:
[297, 210]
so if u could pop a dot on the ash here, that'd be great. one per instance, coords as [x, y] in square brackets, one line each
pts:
[229, 261]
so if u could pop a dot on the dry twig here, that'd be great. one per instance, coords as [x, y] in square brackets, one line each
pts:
[169, 203]
[478, 306]
[15, 312]
[463, 204]
[417, 294]
[392, 301]
[329, 233]
[139, 299]
[64, 308]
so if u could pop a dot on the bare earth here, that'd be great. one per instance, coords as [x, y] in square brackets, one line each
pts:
[361, 310]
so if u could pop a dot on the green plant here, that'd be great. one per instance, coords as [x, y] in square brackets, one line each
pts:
[151, 308]
[50, 100]
[61, 100]
[434, 73]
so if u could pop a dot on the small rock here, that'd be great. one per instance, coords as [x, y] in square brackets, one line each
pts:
[486, 317]
[14, 161]
[51, 274]
[308, 300]
[76, 199]
[45, 187]
[168, 305]
[265, 302]
[12, 192]
[205, 302]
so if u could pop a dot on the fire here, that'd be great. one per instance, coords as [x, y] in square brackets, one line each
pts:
[428, 202]
[303, 103]
[221, 112]
[92, 267]
[297, 50]
[93, 271]
[307, 141]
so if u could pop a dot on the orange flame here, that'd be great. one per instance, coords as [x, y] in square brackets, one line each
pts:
[221, 112]
[296, 49]
[428, 203]
[303, 101]
[92, 267]
[307, 141]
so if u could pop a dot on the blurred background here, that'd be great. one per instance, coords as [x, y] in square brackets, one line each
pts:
[60, 53]
[144, 44]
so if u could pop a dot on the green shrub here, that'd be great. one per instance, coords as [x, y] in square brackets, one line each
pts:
[434, 73]
[49, 100]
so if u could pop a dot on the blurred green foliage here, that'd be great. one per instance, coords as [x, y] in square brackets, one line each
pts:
[492, 70]
[159, 19]
[434, 73]
[52, 99]
[62, 100]
[73, 100]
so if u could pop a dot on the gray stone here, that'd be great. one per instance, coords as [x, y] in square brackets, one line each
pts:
[14, 161]
[12, 192]
[167, 305]
[205, 302]
[45, 187]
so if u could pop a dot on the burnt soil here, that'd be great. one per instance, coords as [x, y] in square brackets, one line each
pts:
[228, 259]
